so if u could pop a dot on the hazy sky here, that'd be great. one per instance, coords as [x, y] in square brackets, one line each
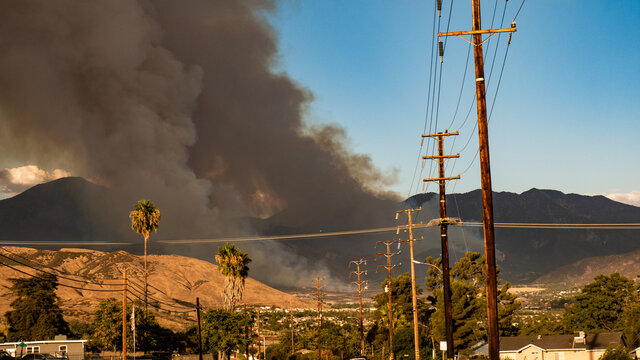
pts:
[567, 114]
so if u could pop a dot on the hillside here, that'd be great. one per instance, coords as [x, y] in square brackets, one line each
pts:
[585, 270]
[175, 282]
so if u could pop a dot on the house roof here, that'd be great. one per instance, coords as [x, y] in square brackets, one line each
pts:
[558, 342]
[43, 342]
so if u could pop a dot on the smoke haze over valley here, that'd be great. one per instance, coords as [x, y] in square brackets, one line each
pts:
[182, 103]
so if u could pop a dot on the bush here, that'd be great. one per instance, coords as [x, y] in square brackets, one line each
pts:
[616, 353]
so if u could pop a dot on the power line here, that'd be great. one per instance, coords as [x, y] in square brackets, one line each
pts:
[60, 284]
[59, 276]
[88, 280]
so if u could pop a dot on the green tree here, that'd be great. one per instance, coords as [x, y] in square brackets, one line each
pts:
[541, 324]
[599, 305]
[402, 312]
[631, 325]
[106, 329]
[224, 331]
[233, 264]
[616, 353]
[145, 218]
[466, 308]
[106, 334]
[36, 313]
[468, 298]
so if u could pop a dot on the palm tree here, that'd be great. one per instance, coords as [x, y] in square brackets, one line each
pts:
[232, 263]
[145, 218]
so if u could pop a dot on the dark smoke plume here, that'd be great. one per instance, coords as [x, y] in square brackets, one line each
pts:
[176, 101]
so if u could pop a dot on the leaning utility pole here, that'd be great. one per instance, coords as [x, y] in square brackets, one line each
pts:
[446, 286]
[410, 226]
[318, 287]
[360, 282]
[389, 266]
[485, 170]
[124, 317]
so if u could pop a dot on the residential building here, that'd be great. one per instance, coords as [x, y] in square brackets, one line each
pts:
[558, 347]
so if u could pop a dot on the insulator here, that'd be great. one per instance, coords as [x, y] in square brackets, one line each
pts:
[439, 4]
[441, 48]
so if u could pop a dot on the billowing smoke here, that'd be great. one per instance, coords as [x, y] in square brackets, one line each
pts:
[176, 101]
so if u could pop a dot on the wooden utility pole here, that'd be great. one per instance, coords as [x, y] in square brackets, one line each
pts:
[318, 287]
[389, 266]
[293, 351]
[485, 170]
[360, 282]
[246, 331]
[414, 296]
[199, 329]
[258, 319]
[444, 242]
[124, 317]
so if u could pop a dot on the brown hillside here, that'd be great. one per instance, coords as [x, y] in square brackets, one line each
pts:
[174, 282]
[584, 271]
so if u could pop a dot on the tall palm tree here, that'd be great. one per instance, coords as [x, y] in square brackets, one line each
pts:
[145, 218]
[232, 263]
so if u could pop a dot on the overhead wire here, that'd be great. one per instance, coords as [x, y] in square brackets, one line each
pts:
[58, 276]
[61, 284]
[89, 280]
[130, 281]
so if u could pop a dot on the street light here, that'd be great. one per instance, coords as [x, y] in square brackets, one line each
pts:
[424, 263]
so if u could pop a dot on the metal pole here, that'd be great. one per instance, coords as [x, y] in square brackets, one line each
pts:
[487, 199]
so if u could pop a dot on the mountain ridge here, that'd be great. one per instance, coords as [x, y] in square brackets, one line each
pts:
[75, 209]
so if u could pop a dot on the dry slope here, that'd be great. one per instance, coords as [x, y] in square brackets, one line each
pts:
[88, 276]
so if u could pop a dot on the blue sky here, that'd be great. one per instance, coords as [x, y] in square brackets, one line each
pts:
[567, 113]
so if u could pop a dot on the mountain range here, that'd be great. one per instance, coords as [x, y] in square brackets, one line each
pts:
[73, 209]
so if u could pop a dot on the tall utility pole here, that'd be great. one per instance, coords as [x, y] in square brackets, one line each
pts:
[410, 226]
[389, 266]
[318, 287]
[124, 317]
[199, 329]
[444, 242]
[293, 347]
[246, 332]
[485, 175]
[258, 321]
[360, 282]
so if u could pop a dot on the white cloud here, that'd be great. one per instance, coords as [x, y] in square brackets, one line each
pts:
[16, 180]
[632, 198]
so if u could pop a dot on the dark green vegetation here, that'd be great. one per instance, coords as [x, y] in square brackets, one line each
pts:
[609, 303]
[36, 312]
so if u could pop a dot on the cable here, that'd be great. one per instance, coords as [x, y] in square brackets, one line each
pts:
[89, 280]
[141, 293]
[59, 276]
[156, 306]
[60, 284]
[517, 13]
